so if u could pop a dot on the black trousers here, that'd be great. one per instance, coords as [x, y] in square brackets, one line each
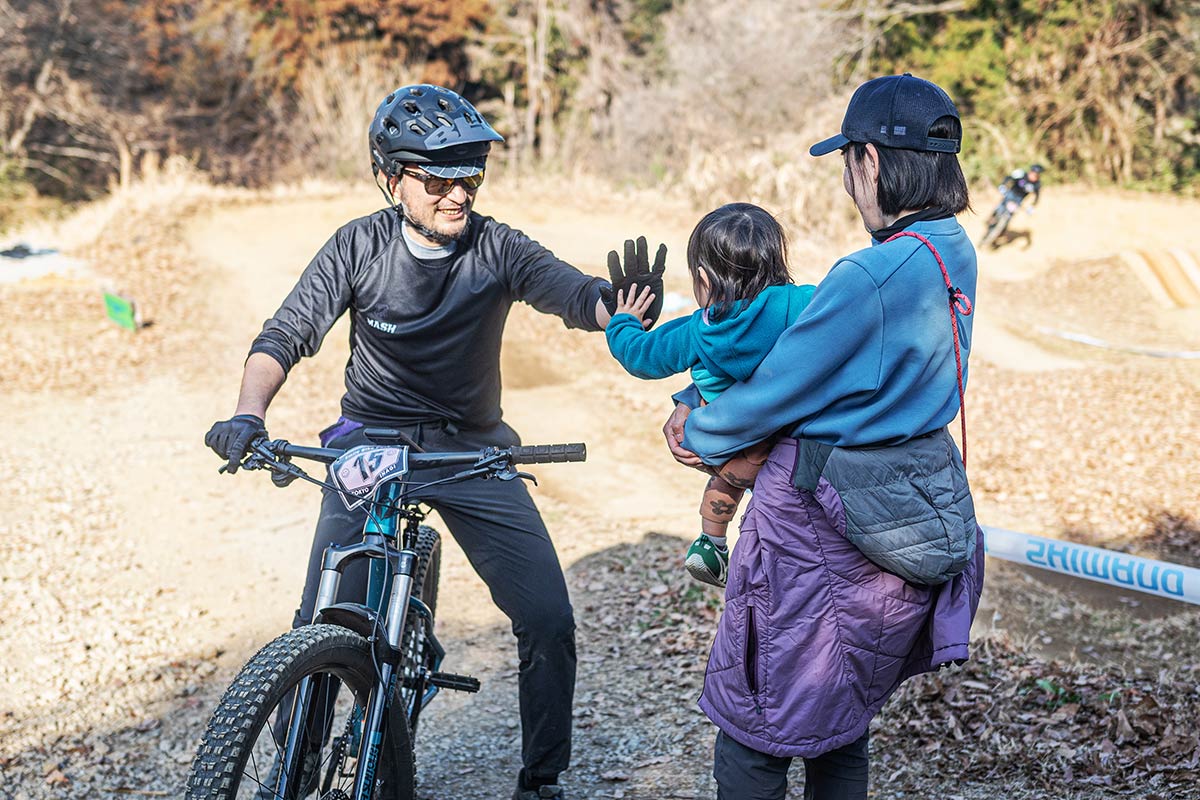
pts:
[744, 773]
[499, 528]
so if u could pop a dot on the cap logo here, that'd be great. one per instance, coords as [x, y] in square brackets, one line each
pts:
[900, 130]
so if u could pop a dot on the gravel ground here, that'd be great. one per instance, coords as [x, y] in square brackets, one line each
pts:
[112, 668]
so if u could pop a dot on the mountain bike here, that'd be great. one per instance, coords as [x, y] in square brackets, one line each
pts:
[998, 222]
[329, 710]
[1001, 218]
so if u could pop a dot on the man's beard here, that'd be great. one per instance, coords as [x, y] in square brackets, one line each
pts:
[441, 238]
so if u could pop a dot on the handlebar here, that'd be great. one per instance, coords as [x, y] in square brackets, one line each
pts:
[518, 454]
[548, 453]
[489, 462]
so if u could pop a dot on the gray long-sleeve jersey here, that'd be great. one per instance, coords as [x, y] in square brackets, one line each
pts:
[424, 335]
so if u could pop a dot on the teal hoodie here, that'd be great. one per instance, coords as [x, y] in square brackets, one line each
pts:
[869, 361]
[719, 353]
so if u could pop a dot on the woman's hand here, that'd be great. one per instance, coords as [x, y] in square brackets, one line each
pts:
[673, 431]
[635, 303]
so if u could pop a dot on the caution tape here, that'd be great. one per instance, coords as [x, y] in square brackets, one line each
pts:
[1161, 578]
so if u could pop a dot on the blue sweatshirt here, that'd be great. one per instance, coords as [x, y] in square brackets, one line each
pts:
[720, 352]
[870, 361]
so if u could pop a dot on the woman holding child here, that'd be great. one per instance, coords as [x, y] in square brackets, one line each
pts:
[859, 562]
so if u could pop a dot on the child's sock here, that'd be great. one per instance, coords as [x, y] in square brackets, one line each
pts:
[718, 541]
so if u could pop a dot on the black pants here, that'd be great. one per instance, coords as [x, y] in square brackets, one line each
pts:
[500, 530]
[743, 773]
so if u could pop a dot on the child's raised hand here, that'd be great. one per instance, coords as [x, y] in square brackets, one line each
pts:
[636, 303]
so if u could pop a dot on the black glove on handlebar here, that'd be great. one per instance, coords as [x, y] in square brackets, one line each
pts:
[636, 270]
[231, 438]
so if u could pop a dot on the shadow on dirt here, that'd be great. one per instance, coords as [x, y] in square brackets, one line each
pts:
[1008, 723]
[1011, 236]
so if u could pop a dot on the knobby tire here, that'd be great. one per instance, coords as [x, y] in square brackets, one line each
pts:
[227, 765]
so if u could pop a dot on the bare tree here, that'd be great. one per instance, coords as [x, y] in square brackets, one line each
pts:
[32, 40]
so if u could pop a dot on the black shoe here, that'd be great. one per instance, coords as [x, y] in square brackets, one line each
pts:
[551, 792]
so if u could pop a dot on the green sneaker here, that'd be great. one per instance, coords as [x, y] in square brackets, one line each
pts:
[706, 562]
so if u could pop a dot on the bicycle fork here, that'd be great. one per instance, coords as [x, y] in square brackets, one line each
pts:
[400, 567]
[381, 695]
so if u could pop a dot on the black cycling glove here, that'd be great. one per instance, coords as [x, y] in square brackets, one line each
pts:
[231, 438]
[636, 270]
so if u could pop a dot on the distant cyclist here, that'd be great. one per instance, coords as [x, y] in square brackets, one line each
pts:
[1013, 191]
[1022, 183]
[428, 284]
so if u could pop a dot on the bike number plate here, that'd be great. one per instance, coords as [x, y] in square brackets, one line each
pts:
[361, 470]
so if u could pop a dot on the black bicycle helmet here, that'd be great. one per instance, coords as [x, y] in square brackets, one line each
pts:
[429, 125]
[1038, 168]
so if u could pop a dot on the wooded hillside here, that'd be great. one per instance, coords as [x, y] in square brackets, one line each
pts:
[707, 95]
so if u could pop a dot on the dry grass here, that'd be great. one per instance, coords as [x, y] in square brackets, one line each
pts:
[338, 95]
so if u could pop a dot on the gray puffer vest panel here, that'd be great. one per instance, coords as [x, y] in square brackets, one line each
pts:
[908, 507]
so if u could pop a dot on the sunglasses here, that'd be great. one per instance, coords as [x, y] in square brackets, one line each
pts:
[442, 186]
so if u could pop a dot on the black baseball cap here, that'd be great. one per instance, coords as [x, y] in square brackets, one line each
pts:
[894, 111]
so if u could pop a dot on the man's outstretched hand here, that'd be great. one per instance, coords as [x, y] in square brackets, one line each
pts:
[231, 438]
[636, 269]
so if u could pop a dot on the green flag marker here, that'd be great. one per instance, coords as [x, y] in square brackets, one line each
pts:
[121, 311]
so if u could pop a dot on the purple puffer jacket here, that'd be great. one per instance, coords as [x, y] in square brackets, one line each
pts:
[814, 637]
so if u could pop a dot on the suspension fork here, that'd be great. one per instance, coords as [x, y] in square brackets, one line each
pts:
[403, 567]
[381, 695]
[389, 569]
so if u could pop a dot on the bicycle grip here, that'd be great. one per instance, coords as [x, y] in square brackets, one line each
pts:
[548, 453]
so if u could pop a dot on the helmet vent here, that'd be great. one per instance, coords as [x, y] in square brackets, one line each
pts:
[390, 126]
[416, 91]
[442, 104]
[390, 98]
[415, 128]
[412, 107]
[444, 121]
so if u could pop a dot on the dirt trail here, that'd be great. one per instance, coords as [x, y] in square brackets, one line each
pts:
[170, 575]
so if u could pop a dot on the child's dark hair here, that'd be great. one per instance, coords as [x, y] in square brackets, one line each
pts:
[742, 250]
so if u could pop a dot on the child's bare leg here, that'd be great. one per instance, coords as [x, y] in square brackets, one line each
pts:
[741, 471]
[708, 558]
[718, 506]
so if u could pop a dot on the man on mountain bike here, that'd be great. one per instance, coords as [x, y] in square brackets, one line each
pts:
[1022, 183]
[428, 284]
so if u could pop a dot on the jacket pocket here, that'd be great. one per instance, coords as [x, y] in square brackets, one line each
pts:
[750, 657]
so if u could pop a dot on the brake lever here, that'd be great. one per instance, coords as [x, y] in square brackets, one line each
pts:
[259, 455]
[508, 473]
[253, 461]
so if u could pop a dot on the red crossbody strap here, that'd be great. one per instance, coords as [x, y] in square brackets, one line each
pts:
[959, 304]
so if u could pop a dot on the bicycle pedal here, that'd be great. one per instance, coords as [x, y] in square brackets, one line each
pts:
[457, 683]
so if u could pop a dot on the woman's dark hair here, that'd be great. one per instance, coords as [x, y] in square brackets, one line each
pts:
[912, 179]
[742, 250]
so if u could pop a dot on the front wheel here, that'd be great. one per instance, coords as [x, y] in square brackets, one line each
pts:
[994, 227]
[240, 755]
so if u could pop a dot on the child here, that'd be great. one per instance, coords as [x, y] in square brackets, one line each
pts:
[738, 259]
